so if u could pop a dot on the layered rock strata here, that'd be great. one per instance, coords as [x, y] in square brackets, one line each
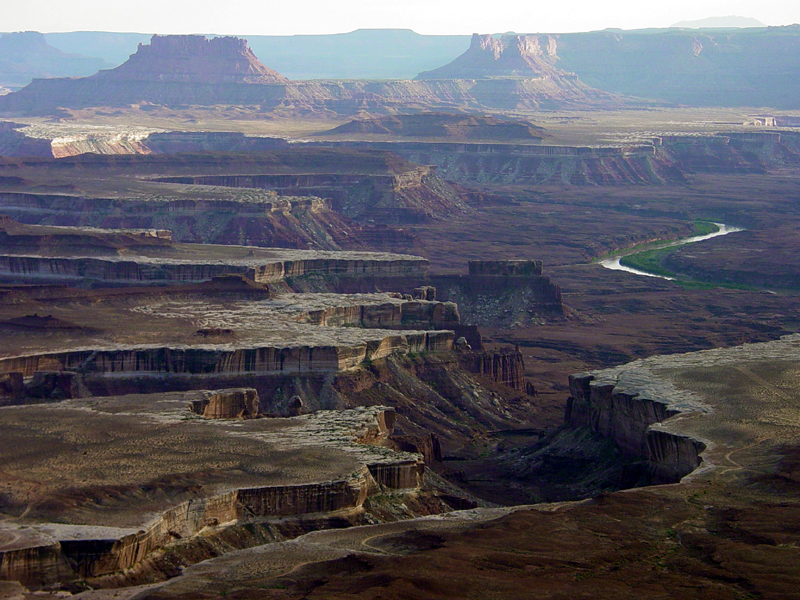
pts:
[259, 218]
[126, 256]
[527, 163]
[181, 70]
[507, 56]
[506, 367]
[676, 411]
[414, 195]
[241, 403]
[252, 337]
[193, 59]
[340, 474]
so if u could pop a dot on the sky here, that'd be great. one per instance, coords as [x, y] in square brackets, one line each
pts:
[287, 17]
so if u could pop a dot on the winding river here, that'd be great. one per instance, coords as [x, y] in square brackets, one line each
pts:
[613, 262]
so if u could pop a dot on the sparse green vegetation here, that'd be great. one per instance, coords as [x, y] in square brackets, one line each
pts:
[705, 227]
[651, 261]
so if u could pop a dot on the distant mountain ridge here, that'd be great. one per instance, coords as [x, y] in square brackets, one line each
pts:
[26, 55]
[754, 67]
[182, 71]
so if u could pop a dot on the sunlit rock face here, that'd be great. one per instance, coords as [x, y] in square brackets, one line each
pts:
[510, 56]
[194, 59]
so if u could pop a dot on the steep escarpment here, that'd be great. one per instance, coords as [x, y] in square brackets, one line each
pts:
[409, 196]
[191, 70]
[499, 163]
[367, 185]
[255, 218]
[199, 513]
[493, 293]
[509, 56]
[193, 59]
[518, 70]
[667, 158]
[626, 416]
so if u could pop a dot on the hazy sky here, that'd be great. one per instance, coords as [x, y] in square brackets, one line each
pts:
[284, 17]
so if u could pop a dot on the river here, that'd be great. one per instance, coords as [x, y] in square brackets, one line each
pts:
[613, 262]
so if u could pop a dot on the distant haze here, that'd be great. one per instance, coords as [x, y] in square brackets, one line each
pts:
[731, 21]
[270, 17]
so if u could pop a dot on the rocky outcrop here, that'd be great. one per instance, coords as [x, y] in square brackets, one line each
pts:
[516, 71]
[410, 195]
[180, 70]
[506, 366]
[623, 413]
[507, 56]
[529, 163]
[43, 554]
[193, 59]
[500, 300]
[32, 559]
[274, 221]
[94, 364]
[241, 403]
[144, 269]
[480, 298]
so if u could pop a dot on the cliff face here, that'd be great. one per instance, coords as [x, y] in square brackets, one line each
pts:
[193, 59]
[407, 196]
[294, 222]
[180, 70]
[627, 418]
[508, 56]
[506, 367]
[224, 361]
[528, 163]
[241, 403]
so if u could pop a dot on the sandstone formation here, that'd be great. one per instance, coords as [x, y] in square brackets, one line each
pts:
[662, 159]
[142, 256]
[508, 56]
[26, 140]
[315, 465]
[193, 59]
[506, 367]
[517, 71]
[241, 403]
[410, 196]
[370, 186]
[726, 527]
[251, 217]
[181, 70]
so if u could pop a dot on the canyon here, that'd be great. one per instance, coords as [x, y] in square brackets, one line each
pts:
[324, 348]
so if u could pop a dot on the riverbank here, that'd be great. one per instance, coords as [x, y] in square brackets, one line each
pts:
[647, 260]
